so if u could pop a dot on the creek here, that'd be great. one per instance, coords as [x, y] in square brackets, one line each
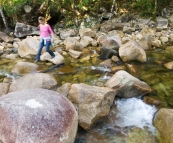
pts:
[130, 120]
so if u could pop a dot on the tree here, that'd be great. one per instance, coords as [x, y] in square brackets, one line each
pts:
[2, 14]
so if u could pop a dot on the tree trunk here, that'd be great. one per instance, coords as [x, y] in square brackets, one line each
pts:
[113, 5]
[3, 18]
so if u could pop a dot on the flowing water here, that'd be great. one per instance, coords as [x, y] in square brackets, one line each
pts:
[130, 120]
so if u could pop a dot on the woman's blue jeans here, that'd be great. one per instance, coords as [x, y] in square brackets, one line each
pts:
[48, 43]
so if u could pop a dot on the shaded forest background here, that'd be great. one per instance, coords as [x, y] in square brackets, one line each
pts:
[73, 11]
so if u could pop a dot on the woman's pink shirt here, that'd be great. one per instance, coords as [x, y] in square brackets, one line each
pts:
[45, 30]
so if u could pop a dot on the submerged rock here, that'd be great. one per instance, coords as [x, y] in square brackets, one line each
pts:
[92, 102]
[163, 121]
[37, 116]
[127, 86]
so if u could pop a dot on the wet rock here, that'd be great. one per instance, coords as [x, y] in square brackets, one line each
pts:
[4, 87]
[86, 32]
[107, 63]
[169, 65]
[64, 89]
[5, 37]
[117, 68]
[67, 33]
[24, 68]
[12, 56]
[163, 121]
[92, 102]
[112, 40]
[66, 70]
[127, 85]
[151, 101]
[28, 46]
[22, 30]
[37, 115]
[72, 43]
[85, 59]
[162, 23]
[132, 51]
[74, 54]
[107, 53]
[34, 80]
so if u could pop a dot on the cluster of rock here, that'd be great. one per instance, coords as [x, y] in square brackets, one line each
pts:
[31, 112]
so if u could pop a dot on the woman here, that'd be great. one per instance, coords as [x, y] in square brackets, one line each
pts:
[46, 34]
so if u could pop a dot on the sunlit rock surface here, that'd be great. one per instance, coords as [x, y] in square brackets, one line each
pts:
[92, 102]
[127, 85]
[34, 80]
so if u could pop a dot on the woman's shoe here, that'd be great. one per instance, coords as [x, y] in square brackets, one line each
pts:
[36, 61]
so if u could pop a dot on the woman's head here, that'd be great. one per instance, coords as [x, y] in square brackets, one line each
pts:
[41, 20]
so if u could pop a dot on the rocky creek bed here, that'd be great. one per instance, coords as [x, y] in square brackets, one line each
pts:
[116, 76]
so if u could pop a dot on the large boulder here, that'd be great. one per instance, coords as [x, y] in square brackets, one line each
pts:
[112, 40]
[28, 46]
[86, 32]
[37, 116]
[24, 68]
[22, 30]
[4, 87]
[92, 102]
[5, 37]
[127, 85]
[35, 80]
[163, 121]
[132, 51]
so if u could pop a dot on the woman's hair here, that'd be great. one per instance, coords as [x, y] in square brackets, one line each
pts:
[41, 18]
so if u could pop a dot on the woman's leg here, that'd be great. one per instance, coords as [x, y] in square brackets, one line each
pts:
[39, 50]
[48, 43]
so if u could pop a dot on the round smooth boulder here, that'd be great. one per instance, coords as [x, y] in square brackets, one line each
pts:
[37, 116]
